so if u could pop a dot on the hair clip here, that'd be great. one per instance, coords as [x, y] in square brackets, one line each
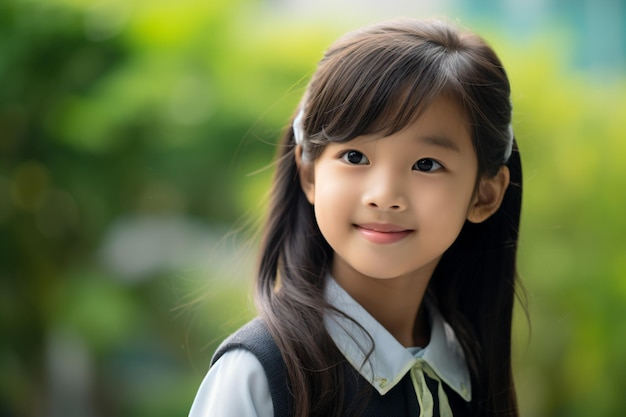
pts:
[298, 129]
[509, 148]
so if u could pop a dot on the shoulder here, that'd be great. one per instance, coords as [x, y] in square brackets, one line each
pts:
[235, 386]
[246, 366]
[253, 337]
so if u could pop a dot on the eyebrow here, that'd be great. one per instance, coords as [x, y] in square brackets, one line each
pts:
[442, 142]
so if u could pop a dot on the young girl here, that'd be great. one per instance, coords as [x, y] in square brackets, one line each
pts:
[387, 273]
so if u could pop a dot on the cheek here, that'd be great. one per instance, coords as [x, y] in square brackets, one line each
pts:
[335, 203]
[334, 186]
[444, 207]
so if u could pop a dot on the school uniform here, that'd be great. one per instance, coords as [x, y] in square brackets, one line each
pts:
[247, 371]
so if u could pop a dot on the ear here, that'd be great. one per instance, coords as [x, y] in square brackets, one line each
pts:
[489, 196]
[306, 174]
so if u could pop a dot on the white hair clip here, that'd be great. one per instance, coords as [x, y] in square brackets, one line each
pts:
[298, 133]
[298, 129]
[509, 148]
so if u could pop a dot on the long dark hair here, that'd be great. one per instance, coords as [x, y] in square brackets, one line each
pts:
[378, 80]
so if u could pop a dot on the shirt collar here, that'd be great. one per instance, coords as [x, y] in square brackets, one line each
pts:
[389, 360]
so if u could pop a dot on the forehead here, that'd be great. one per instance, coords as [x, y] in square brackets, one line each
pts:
[442, 109]
[442, 123]
[446, 115]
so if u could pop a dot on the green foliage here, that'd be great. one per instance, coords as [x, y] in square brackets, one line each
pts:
[570, 129]
[115, 115]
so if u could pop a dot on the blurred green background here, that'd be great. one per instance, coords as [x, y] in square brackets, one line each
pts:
[136, 140]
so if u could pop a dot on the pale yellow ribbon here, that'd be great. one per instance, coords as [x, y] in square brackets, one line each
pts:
[424, 396]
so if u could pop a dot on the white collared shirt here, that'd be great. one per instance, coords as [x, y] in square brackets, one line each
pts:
[236, 385]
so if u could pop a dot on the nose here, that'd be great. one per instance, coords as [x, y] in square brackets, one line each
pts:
[386, 191]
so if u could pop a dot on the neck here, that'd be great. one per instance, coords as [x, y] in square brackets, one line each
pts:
[395, 303]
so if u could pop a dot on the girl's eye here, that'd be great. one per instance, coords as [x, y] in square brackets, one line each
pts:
[355, 158]
[427, 165]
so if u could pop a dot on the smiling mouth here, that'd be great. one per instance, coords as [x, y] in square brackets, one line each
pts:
[383, 233]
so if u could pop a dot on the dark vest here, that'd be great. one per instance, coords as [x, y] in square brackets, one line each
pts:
[400, 401]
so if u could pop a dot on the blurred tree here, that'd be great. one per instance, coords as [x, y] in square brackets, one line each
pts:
[116, 114]
[45, 56]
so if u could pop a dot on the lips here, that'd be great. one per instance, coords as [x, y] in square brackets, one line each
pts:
[383, 233]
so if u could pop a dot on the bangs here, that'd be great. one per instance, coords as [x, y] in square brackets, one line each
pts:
[378, 84]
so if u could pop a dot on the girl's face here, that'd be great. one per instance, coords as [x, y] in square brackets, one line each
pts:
[389, 207]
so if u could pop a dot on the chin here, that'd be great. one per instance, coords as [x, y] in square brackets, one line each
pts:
[380, 273]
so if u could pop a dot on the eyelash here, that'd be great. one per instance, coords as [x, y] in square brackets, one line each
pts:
[430, 160]
[352, 153]
[345, 155]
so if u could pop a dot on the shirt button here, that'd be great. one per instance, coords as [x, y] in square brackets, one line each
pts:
[382, 383]
[463, 388]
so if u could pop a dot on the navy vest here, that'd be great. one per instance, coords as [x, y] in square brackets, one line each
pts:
[400, 401]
